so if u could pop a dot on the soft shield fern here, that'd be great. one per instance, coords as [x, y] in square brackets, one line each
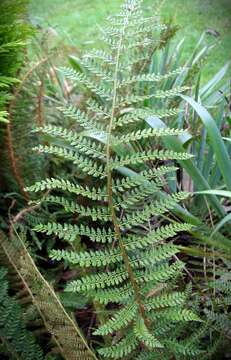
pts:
[129, 266]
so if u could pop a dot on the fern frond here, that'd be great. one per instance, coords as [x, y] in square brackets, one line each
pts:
[20, 342]
[100, 55]
[86, 259]
[71, 111]
[141, 332]
[119, 320]
[145, 134]
[63, 330]
[98, 281]
[66, 185]
[149, 77]
[159, 273]
[96, 213]
[131, 271]
[70, 232]
[116, 295]
[87, 146]
[126, 183]
[155, 236]
[81, 78]
[156, 208]
[88, 166]
[120, 349]
[180, 348]
[141, 157]
[175, 314]
[161, 94]
[138, 115]
[166, 300]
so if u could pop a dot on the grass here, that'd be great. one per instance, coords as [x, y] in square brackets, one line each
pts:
[78, 21]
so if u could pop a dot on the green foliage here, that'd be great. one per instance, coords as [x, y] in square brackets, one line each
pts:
[139, 260]
[16, 341]
[13, 34]
[211, 16]
[66, 337]
[115, 199]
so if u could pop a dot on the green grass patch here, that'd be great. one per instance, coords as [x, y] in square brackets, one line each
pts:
[78, 22]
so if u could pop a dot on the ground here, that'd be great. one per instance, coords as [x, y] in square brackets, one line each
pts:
[78, 22]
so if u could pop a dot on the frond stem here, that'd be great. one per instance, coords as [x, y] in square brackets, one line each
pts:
[109, 186]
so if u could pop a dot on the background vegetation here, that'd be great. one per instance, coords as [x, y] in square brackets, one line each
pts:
[79, 28]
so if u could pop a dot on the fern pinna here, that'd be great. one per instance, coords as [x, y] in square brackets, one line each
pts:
[128, 266]
[16, 340]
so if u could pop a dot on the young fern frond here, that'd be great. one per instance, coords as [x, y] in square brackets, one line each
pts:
[132, 267]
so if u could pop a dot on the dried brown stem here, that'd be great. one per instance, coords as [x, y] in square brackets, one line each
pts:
[9, 136]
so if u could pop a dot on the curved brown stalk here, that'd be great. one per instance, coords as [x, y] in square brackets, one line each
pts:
[9, 137]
